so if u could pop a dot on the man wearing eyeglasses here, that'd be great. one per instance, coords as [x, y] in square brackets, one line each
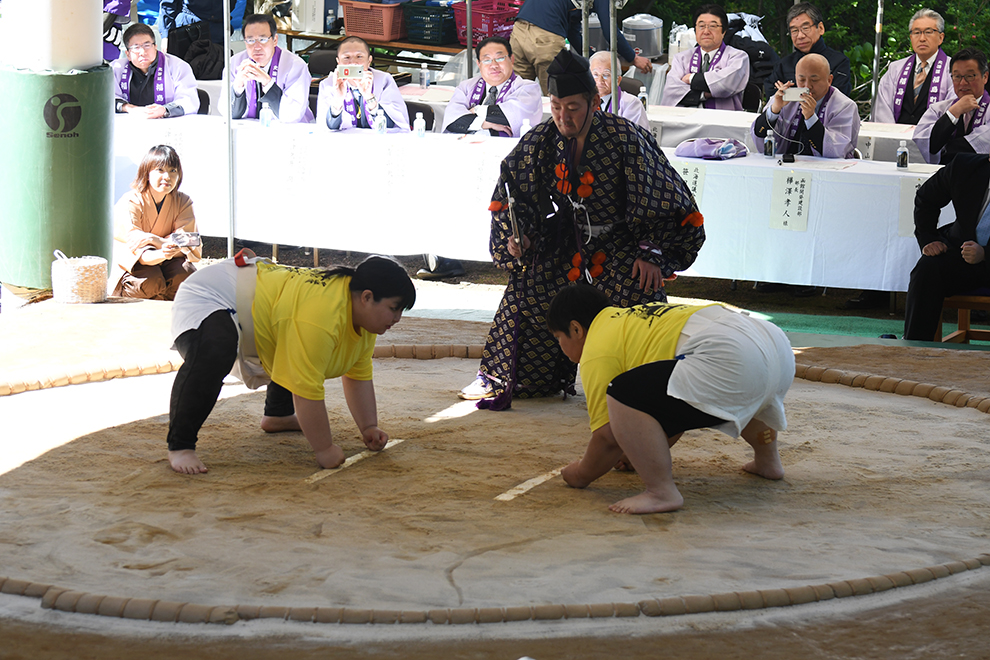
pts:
[919, 80]
[265, 73]
[713, 74]
[497, 100]
[353, 103]
[806, 26]
[959, 124]
[625, 105]
[151, 84]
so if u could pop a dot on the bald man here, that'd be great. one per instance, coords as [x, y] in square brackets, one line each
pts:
[825, 122]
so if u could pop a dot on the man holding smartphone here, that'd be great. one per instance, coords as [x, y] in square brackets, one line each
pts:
[811, 119]
[351, 96]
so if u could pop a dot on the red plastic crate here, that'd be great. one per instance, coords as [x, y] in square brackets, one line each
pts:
[489, 18]
[373, 21]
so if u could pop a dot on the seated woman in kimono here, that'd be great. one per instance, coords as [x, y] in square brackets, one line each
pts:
[151, 221]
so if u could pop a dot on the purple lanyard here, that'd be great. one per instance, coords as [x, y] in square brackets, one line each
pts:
[252, 89]
[478, 93]
[938, 70]
[354, 111]
[792, 127]
[125, 81]
[618, 101]
[695, 65]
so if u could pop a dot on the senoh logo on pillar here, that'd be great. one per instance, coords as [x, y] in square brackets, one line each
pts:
[62, 114]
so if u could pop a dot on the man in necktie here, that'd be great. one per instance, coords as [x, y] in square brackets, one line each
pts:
[353, 103]
[914, 83]
[627, 105]
[712, 74]
[265, 73]
[961, 123]
[953, 256]
[497, 101]
[825, 122]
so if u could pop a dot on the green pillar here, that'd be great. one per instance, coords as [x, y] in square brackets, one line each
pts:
[56, 187]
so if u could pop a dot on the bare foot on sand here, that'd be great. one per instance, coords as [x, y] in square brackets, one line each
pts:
[185, 461]
[650, 502]
[280, 424]
[768, 468]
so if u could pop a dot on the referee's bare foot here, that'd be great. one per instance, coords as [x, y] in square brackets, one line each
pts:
[185, 461]
[280, 424]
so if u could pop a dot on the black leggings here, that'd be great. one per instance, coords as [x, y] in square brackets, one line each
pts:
[645, 389]
[209, 353]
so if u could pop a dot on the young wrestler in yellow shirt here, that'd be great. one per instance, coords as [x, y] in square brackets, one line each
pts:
[653, 371]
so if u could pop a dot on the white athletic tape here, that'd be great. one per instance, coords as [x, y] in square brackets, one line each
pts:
[323, 474]
[526, 486]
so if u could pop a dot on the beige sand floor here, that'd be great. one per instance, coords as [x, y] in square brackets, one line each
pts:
[877, 483]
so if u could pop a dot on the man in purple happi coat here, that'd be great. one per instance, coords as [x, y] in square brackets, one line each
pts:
[498, 99]
[149, 83]
[343, 104]
[265, 73]
[918, 81]
[825, 122]
[961, 123]
[713, 74]
[628, 106]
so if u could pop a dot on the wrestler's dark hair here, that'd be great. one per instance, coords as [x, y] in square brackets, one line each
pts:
[254, 19]
[137, 30]
[488, 41]
[383, 276]
[813, 12]
[714, 10]
[577, 302]
[346, 40]
[970, 53]
[158, 158]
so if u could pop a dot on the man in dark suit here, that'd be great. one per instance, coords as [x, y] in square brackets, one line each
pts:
[806, 26]
[954, 256]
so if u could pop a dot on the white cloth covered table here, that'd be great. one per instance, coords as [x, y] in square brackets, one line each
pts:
[399, 194]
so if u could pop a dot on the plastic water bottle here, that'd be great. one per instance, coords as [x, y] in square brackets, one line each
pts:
[902, 155]
[331, 19]
[419, 125]
[424, 76]
[380, 124]
[266, 116]
[525, 128]
[768, 146]
[644, 98]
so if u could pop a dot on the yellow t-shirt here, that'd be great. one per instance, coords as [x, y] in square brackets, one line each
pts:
[303, 330]
[622, 339]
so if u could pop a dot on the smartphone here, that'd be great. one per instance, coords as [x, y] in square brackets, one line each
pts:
[350, 71]
[186, 239]
[794, 93]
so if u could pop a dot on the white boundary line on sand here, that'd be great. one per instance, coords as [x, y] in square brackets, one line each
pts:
[527, 486]
[323, 474]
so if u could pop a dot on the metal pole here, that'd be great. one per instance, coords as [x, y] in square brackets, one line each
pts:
[229, 128]
[613, 31]
[876, 60]
[470, 43]
[585, 48]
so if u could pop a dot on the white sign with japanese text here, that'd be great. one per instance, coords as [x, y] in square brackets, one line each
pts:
[789, 200]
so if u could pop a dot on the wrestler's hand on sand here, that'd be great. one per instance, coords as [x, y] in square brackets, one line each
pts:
[571, 475]
[330, 457]
[972, 252]
[374, 438]
[650, 276]
[934, 249]
[515, 249]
